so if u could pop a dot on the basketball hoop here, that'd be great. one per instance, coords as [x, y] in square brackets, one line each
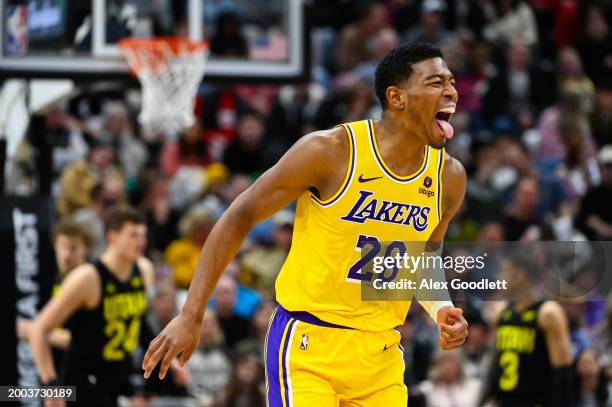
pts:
[169, 70]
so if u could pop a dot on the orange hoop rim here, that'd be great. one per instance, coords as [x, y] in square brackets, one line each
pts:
[176, 44]
[162, 47]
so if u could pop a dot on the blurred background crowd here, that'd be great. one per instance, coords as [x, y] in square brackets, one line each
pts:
[533, 129]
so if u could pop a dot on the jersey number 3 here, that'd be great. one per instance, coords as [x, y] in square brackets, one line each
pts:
[509, 362]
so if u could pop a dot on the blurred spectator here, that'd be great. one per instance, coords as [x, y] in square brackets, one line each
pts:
[416, 339]
[572, 78]
[601, 117]
[355, 38]
[234, 327]
[566, 139]
[602, 340]
[189, 150]
[163, 306]
[247, 299]
[517, 88]
[130, 151]
[590, 381]
[182, 254]
[476, 344]
[162, 220]
[103, 197]
[245, 154]
[245, 387]
[228, 41]
[482, 197]
[521, 222]
[210, 366]
[219, 109]
[575, 311]
[55, 134]
[515, 21]
[595, 47]
[431, 27]
[595, 217]
[296, 112]
[263, 264]
[448, 385]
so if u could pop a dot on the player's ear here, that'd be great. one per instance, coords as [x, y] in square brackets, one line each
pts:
[396, 97]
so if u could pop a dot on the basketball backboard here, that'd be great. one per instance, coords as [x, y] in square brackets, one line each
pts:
[250, 40]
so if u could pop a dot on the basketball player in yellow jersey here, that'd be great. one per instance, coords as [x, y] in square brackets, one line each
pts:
[357, 185]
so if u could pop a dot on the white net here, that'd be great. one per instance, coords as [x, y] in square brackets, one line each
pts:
[170, 72]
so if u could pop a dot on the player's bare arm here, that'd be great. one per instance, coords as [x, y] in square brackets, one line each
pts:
[452, 326]
[553, 321]
[81, 289]
[318, 162]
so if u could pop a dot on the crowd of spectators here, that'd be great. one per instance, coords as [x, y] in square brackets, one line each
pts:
[533, 129]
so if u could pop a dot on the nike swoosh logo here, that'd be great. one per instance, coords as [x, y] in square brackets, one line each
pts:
[362, 179]
[386, 347]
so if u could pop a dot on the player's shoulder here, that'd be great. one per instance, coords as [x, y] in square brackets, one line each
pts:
[326, 142]
[84, 282]
[550, 313]
[147, 270]
[85, 273]
[454, 171]
[323, 148]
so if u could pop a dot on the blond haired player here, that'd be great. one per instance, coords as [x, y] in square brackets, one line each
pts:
[357, 185]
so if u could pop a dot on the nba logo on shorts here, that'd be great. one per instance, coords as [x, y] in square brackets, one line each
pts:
[304, 344]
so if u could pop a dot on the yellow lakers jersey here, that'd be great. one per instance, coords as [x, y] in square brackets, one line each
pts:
[322, 273]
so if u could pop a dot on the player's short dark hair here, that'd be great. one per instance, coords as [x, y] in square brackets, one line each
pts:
[118, 216]
[396, 66]
[72, 229]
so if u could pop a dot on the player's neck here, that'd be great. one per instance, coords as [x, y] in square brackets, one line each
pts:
[398, 143]
[118, 265]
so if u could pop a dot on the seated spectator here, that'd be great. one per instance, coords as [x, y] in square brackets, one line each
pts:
[601, 116]
[245, 154]
[162, 220]
[182, 254]
[595, 217]
[591, 381]
[447, 384]
[595, 47]
[103, 197]
[602, 340]
[566, 139]
[129, 150]
[515, 20]
[163, 306]
[354, 38]
[210, 366]
[571, 77]
[521, 221]
[247, 299]
[516, 88]
[189, 150]
[262, 264]
[431, 27]
[246, 386]
[234, 327]
[228, 41]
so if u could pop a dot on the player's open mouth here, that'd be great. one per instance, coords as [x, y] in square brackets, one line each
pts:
[442, 120]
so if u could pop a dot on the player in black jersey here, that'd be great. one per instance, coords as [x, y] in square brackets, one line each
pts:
[104, 304]
[71, 243]
[532, 361]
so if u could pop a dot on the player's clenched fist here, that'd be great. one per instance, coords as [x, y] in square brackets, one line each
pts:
[181, 335]
[453, 328]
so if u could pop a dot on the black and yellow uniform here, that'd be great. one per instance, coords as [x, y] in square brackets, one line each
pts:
[523, 374]
[98, 360]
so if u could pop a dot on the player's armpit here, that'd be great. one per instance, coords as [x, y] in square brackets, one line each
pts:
[454, 183]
